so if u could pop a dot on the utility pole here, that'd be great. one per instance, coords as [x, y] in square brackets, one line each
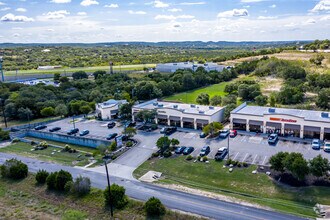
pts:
[111, 67]
[228, 147]
[106, 169]
[1, 71]
[74, 124]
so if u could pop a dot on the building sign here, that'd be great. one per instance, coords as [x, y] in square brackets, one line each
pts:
[283, 120]
[119, 141]
[161, 112]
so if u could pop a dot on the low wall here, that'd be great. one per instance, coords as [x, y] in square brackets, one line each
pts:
[87, 142]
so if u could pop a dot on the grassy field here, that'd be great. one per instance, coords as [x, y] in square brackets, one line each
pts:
[15, 122]
[70, 159]
[26, 200]
[190, 96]
[87, 69]
[240, 184]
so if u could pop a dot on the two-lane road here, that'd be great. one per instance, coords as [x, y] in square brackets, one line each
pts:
[173, 199]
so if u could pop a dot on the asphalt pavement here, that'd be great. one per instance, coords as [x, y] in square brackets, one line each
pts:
[173, 199]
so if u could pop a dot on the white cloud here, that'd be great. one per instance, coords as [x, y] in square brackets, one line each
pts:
[175, 10]
[1, 3]
[323, 5]
[112, 6]
[273, 6]
[192, 3]
[267, 17]
[89, 2]
[172, 17]
[325, 18]
[16, 35]
[233, 13]
[60, 1]
[160, 4]
[310, 21]
[13, 18]
[56, 14]
[4, 9]
[81, 13]
[137, 12]
[21, 10]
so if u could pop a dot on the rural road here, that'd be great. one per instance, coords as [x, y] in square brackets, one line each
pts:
[173, 199]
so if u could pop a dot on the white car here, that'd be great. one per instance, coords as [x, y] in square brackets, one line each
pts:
[326, 147]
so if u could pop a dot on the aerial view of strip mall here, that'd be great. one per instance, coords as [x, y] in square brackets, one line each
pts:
[164, 109]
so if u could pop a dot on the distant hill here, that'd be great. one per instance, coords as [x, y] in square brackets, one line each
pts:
[183, 44]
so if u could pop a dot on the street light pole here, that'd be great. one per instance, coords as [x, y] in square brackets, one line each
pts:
[106, 169]
[228, 146]
[74, 125]
[3, 111]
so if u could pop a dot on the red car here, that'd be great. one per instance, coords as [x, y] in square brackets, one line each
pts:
[233, 133]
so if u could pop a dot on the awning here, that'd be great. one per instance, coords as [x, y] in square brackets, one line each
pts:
[314, 129]
[291, 126]
[273, 125]
[326, 130]
[188, 119]
[201, 121]
[252, 122]
[175, 118]
[162, 117]
[239, 121]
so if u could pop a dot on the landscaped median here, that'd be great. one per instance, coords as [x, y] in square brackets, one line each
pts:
[240, 185]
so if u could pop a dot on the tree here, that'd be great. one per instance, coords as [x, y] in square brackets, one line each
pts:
[317, 60]
[24, 113]
[125, 111]
[154, 207]
[203, 99]
[85, 109]
[323, 99]
[99, 73]
[4, 135]
[79, 75]
[47, 112]
[229, 99]
[175, 142]
[261, 100]
[61, 110]
[319, 166]
[216, 100]
[212, 128]
[10, 110]
[277, 161]
[64, 79]
[81, 186]
[113, 146]
[57, 77]
[61, 179]
[272, 100]
[14, 169]
[41, 176]
[228, 109]
[300, 168]
[117, 198]
[102, 149]
[163, 143]
[130, 131]
[147, 115]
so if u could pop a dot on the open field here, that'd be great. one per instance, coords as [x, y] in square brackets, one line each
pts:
[50, 154]
[241, 184]
[190, 96]
[26, 200]
[86, 69]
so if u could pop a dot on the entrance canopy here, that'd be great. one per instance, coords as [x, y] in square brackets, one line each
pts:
[273, 125]
[291, 126]
[259, 123]
[313, 129]
[162, 116]
[174, 118]
[188, 119]
[239, 121]
[201, 121]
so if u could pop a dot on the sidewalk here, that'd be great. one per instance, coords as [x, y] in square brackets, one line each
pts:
[294, 139]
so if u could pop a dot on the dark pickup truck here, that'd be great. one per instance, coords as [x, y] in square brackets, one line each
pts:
[221, 154]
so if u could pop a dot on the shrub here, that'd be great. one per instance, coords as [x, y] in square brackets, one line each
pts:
[68, 186]
[14, 169]
[4, 135]
[189, 157]
[50, 180]
[41, 176]
[155, 155]
[81, 186]
[15, 140]
[204, 158]
[234, 162]
[118, 198]
[245, 164]
[167, 154]
[199, 158]
[154, 207]
[239, 164]
[228, 162]
[62, 178]
[129, 144]
[33, 143]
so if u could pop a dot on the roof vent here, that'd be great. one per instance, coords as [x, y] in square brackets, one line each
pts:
[325, 114]
[175, 106]
[201, 112]
[211, 107]
[175, 64]
[193, 106]
[160, 105]
[271, 110]
[155, 103]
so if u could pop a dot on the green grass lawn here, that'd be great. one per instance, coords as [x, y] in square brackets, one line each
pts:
[137, 67]
[191, 96]
[241, 183]
[70, 159]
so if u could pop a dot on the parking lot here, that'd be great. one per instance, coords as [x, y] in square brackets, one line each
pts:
[243, 148]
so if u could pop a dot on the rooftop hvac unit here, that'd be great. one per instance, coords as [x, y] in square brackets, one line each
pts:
[211, 107]
[325, 114]
[155, 103]
[160, 105]
[175, 106]
[201, 112]
[193, 106]
[271, 110]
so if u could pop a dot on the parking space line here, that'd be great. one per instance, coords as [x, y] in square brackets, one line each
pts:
[236, 155]
[264, 161]
[254, 159]
[247, 154]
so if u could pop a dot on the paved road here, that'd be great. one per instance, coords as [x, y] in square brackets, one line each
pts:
[173, 199]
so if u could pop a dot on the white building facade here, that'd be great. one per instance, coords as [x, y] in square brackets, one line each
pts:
[181, 115]
[287, 122]
[109, 110]
[172, 67]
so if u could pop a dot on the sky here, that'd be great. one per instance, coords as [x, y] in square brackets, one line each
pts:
[91, 21]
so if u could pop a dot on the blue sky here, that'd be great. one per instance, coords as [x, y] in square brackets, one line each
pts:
[52, 21]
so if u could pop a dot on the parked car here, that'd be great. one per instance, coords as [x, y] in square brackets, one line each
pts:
[14, 129]
[188, 150]
[224, 133]
[222, 152]
[205, 151]
[233, 133]
[112, 136]
[202, 135]
[73, 131]
[111, 124]
[272, 138]
[168, 130]
[84, 132]
[326, 147]
[54, 129]
[40, 127]
[180, 150]
[316, 144]
[130, 124]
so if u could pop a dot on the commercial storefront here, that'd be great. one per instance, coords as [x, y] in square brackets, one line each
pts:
[109, 109]
[285, 122]
[181, 115]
